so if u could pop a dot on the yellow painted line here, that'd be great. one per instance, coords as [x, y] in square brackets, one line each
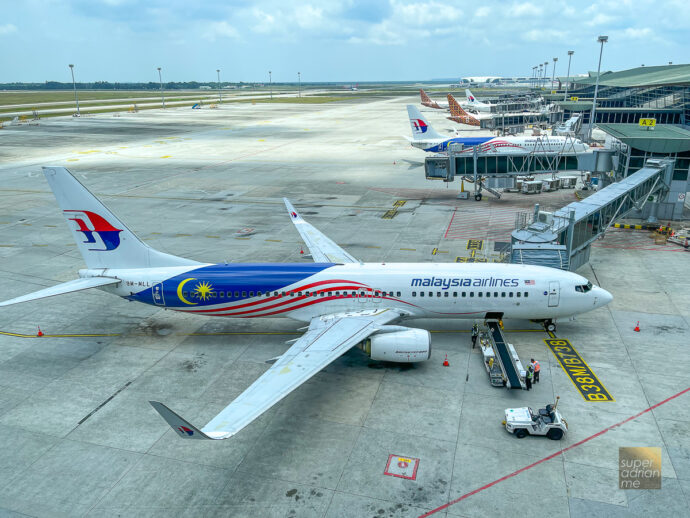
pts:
[39, 245]
[155, 233]
[166, 156]
[441, 251]
[399, 203]
[409, 249]
[51, 226]
[581, 375]
[262, 140]
[433, 252]
[6, 246]
[183, 235]
[89, 151]
[275, 240]
[213, 237]
[73, 160]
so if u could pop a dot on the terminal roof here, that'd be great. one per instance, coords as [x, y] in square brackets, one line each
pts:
[664, 138]
[640, 76]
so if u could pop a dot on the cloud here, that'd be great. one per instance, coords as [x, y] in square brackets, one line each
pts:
[8, 28]
[217, 30]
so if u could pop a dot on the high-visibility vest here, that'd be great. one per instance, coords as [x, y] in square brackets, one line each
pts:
[536, 367]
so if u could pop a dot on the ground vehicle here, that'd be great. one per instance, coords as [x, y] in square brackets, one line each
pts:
[547, 421]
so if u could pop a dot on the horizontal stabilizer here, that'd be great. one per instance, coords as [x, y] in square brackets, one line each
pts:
[65, 287]
[183, 428]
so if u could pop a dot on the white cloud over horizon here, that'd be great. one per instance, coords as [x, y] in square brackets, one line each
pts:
[329, 40]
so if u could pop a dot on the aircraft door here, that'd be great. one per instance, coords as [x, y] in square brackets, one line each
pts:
[157, 294]
[554, 293]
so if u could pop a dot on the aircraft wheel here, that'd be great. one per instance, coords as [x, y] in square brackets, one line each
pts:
[478, 196]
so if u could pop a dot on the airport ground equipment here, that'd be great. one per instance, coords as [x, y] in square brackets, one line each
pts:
[567, 182]
[562, 239]
[505, 355]
[547, 422]
[532, 187]
[490, 356]
[550, 184]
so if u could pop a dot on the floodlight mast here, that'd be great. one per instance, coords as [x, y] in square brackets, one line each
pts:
[74, 85]
[270, 83]
[602, 40]
[553, 73]
[219, 97]
[299, 82]
[567, 82]
[160, 80]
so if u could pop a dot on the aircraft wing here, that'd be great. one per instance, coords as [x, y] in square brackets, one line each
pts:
[326, 340]
[66, 287]
[322, 249]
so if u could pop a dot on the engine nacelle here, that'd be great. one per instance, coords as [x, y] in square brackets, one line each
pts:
[406, 346]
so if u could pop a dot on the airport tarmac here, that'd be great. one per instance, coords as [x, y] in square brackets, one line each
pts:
[80, 438]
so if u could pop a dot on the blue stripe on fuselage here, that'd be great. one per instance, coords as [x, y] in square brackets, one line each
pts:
[466, 141]
[229, 278]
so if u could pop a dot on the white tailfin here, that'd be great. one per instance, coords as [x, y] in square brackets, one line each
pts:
[103, 240]
[421, 129]
[470, 98]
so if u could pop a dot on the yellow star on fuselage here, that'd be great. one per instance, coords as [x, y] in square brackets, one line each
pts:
[203, 290]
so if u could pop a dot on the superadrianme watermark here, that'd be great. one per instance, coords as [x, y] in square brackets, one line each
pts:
[639, 468]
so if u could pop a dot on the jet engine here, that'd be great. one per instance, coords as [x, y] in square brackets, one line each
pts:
[402, 345]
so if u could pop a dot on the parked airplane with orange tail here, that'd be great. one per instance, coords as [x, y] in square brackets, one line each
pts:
[429, 103]
[457, 114]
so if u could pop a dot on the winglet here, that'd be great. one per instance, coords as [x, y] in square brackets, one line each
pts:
[183, 428]
[291, 209]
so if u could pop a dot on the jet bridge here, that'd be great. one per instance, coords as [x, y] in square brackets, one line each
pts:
[562, 239]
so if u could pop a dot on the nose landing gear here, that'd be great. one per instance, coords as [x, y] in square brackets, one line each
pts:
[549, 326]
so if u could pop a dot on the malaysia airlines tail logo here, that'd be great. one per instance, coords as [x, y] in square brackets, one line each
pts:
[184, 429]
[91, 223]
[470, 98]
[419, 125]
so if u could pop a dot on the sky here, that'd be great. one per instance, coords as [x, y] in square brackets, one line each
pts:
[329, 40]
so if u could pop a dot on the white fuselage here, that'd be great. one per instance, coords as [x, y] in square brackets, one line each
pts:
[426, 290]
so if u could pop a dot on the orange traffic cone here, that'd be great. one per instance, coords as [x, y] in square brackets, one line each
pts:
[40, 333]
[445, 362]
[637, 327]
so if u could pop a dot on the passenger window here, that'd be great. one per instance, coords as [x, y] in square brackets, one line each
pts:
[258, 294]
[488, 294]
[510, 294]
[438, 293]
[503, 294]
[244, 293]
[464, 293]
[518, 294]
[398, 294]
[495, 294]
[213, 295]
[337, 294]
[282, 294]
[445, 293]
[479, 294]
[251, 293]
[421, 293]
[185, 294]
[526, 293]
[471, 294]
[414, 293]
[299, 293]
[455, 294]
[431, 294]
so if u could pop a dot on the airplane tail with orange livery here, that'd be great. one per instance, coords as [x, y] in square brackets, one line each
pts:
[426, 101]
[457, 114]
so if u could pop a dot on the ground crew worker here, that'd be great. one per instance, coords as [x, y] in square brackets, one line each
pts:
[535, 365]
[475, 333]
[528, 378]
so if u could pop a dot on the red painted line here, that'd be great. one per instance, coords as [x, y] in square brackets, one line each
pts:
[451, 223]
[552, 456]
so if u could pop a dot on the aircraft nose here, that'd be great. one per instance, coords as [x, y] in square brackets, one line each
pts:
[603, 297]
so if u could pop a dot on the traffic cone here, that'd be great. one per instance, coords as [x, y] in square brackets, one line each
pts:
[445, 362]
[40, 333]
[301, 250]
[637, 327]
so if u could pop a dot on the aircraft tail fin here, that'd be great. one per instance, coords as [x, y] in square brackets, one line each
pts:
[103, 240]
[470, 98]
[458, 114]
[421, 129]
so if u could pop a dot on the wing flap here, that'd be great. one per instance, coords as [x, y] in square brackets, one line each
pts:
[66, 287]
[323, 249]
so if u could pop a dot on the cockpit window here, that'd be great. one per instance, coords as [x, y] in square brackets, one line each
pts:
[584, 288]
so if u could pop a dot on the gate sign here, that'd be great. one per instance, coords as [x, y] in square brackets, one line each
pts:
[648, 123]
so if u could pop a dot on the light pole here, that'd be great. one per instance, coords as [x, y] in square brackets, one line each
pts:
[270, 83]
[553, 72]
[567, 82]
[218, 72]
[299, 82]
[541, 69]
[546, 65]
[160, 80]
[74, 85]
[534, 76]
[602, 40]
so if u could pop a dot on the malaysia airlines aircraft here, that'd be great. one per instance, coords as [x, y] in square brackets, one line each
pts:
[475, 105]
[429, 103]
[425, 137]
[345, 302]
